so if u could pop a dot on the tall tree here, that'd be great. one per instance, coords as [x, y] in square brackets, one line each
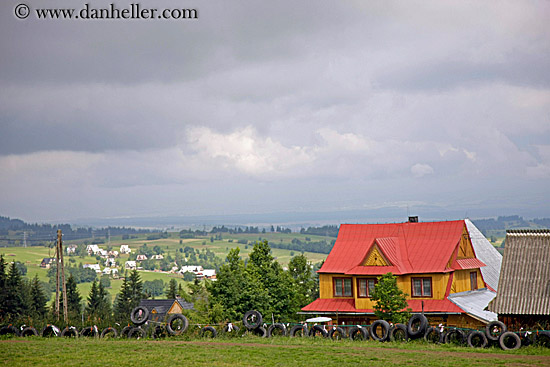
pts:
[15, 303]
[390, 301]
[39, 298]
[172, 291]
[129, 297]
[74, 301]
[98, 307]
[303, 277]
[3, 293]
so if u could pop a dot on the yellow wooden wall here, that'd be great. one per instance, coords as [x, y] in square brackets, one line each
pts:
[461, 280]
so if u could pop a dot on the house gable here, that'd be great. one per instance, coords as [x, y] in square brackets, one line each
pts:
[375, 257]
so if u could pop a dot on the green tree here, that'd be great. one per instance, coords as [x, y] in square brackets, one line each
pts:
[39, 298]
[390, 301]
[172, 291]
[153, 288]
[15, 302]
[129, 297]
[303, 277]
[74, 301]
[3, 293]
[98, 307]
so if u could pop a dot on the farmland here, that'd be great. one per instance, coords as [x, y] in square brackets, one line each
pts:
[33, 255]
[254, 351]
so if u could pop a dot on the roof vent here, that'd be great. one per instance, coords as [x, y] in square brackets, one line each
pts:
[413, 219]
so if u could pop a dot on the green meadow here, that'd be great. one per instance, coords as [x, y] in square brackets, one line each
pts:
[255, 351]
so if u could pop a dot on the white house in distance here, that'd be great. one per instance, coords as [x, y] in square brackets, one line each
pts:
[71, 249]
[92, 249]
[157, 257]
[110, 262]
[198, 271]
[109, 271]
[125, 249]
[141, 257]
[130, 265]
[94, 267]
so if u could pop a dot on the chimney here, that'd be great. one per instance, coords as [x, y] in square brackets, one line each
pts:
[413, 219]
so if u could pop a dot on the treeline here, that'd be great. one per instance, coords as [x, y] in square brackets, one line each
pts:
[322, 247]
[502, 223]
[15, 232]
[329, 230]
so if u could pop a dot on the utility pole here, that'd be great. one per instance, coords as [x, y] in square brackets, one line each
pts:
[60, 264]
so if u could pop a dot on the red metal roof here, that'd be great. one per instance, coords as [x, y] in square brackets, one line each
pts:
[468, 264]
[348, 305]
[410, 247]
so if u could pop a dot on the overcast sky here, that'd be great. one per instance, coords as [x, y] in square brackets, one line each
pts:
[281, 106]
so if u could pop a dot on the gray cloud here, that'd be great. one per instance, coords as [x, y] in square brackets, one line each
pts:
[276, 106]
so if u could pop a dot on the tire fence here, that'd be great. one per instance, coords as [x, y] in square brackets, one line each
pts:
[494, 334]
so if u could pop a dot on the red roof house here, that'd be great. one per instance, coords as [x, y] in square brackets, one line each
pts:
[432, 261]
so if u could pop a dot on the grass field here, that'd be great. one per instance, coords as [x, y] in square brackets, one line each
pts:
[254, 351]
[32, 256]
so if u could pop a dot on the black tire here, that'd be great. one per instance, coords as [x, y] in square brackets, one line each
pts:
[455, 336]
[137, 333]
[125, 331]
[234, 329]
[433, 335]
[490, 332]
[29, 331]
[209, 329]
[417, 326]
[277, 326]
[509, 341]
[176, 324]
[299, 331]
[9, 329]
[139, 315]
[318, 330]
[337, 333]
[383, 324]
[476, 339]
[89, 331]
[109, 330]
[50, 330]
[159, 332]
[260, 331]
[542, 338]
[358, 333]
[398, 333]
[252, 319]
[70, 331]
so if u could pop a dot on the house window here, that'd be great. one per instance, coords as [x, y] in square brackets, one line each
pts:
[365, 287]
[473, 280]
[342, 287]
[421, 287]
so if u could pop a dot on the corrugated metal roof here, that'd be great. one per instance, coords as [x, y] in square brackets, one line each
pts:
[524, 286]
[415, 247]
[474, 303]
[487, 253]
